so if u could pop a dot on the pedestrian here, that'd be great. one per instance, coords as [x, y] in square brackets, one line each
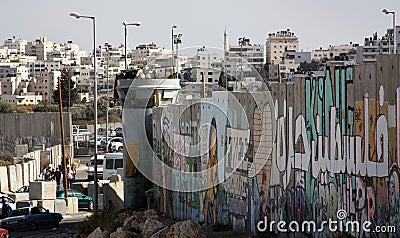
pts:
[4, 208]
[52, 173]
[47, 175]
[43, 173]
[70, 176]
[57, 176]
[74, 172]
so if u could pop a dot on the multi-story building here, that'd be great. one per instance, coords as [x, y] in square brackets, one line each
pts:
[40, 47]
[251, 54]
[298, 57]
[14, 70]
[44, 84]
[205, 65]
[333, 51]
[40, 66]
[139, 55]
[374, 46]
[16, 46]
[278, 43]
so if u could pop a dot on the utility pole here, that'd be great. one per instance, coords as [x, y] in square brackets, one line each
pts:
[64, 158]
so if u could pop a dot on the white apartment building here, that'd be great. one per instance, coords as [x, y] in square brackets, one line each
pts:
[40, 66]
[16, 46]
[44, 84]
[14, 70]
[332, 51]
[374, 46]
[22, 99]
[279, 42]
[3, 52]
[252, 54]
[205, 64]
[140, 53]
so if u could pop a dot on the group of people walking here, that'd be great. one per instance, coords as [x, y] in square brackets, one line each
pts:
[51, 174]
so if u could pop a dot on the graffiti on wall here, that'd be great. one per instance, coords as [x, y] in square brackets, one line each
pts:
[335, 147]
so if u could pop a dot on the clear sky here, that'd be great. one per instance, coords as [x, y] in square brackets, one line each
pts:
[318, 23]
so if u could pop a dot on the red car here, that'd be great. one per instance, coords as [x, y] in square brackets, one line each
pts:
[3, 233]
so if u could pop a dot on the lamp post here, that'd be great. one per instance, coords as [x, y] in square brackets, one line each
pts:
[177, 40]
[386, 11]
[242, 40]
[96, 189]
[126, 34]
[108, 47]
[172, 46]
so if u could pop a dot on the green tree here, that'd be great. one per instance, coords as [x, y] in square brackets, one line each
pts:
[68, 90]
[222, 79]
[264, 77]
[305, 66]
[5, 107]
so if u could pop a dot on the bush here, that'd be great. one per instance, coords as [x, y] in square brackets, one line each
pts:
[6, 156]
[106, 220]
[5, 107]
[46, 108]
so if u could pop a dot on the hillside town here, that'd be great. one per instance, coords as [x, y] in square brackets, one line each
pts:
[250, 139]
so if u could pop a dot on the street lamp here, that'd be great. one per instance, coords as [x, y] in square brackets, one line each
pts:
[172, 46]
[386, 11]
[242, 41]
[177, 40]
[96, 189]
[126, 34]
[108, 47]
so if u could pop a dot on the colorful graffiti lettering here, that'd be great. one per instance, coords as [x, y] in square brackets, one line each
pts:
[335, 145]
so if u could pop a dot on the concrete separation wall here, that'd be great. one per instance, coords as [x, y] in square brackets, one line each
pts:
[15, 176]
[12, 178]
[3, 179]
[19, 176]
[33, 129]
[334, 146]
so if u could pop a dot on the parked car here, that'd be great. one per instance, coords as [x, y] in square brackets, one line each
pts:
[101, 141]
[112, 162]
[10, 204]
[90, 169]
[23, 189]
[102, 131]
[84, 201]
[118, 131]
[115, 144]
[31, 218]
[3, 233]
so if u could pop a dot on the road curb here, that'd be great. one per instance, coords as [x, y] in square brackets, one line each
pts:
[77, 215]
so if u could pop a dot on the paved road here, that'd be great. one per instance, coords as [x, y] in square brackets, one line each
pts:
[66, 228]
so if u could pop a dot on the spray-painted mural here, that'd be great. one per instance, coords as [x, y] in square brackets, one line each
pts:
[335, 146]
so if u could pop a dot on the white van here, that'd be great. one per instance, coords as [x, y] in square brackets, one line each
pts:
[90, 169]
[112, 162]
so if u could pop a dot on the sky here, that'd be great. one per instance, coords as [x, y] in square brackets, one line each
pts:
[317, 23]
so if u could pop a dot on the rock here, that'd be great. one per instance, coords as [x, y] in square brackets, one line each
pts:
[136, 226]
[122, 232]
[139, 216]
[151, 227]
[186, 229]
[151, 214]
[98, 233]
[161, 234]
[128, 221]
